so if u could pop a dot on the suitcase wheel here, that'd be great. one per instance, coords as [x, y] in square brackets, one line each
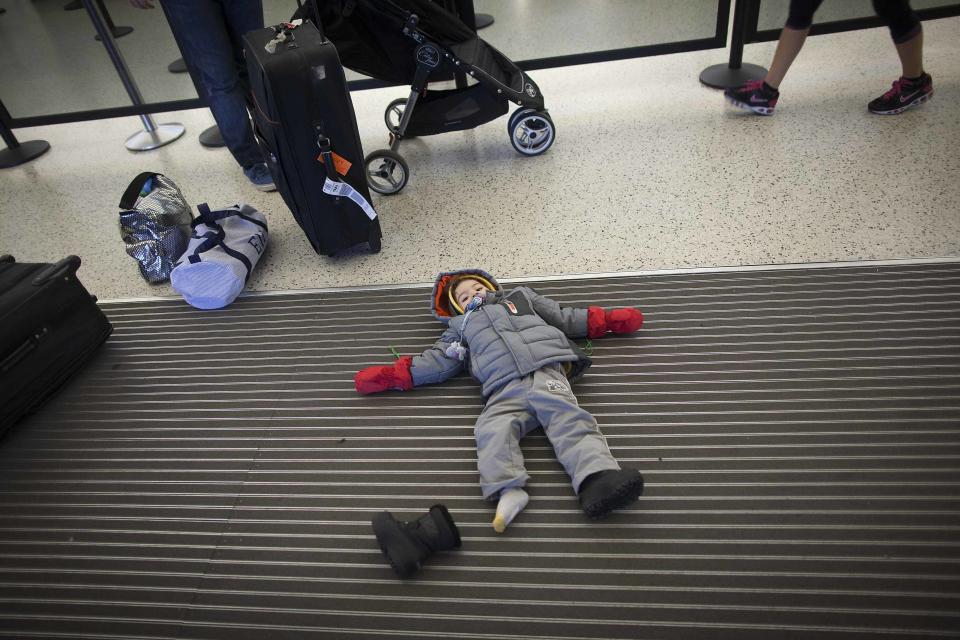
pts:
[374, 239]
[387, 171]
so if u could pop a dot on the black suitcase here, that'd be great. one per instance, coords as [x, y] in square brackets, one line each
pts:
[49, 328]
[302, 113]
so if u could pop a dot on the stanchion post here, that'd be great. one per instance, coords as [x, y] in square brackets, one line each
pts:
[153, 136]
[737, 35]
[735, 73]
[115, 31]
[16, 153]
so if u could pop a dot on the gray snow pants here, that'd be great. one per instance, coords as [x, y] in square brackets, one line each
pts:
[542, 398]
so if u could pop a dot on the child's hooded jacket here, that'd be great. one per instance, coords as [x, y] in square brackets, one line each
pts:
[512, 334]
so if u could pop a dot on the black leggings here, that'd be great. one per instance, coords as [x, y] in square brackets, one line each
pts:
[896, 14]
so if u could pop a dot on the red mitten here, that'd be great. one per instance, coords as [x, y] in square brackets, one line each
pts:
[600, 321]
[624, 320]
[396, 376]
[596, 322]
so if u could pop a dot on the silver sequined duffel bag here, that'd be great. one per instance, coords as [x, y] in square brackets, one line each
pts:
[154, 224]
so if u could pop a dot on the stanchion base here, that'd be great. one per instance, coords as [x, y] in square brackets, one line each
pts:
[24, 152]
[211, 137]
[177, 66]
[721, 76]
[483, 20]
[147, 140]
[118, 32]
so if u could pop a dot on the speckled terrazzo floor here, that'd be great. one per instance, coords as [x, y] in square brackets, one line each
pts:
[650, 170]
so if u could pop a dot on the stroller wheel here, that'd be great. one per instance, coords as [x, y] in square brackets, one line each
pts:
[387, 171]
[531, 132]
[516, 114]
[394, 114]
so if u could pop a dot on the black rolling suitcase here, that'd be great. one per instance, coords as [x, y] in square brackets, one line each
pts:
[305, 123]
[49, 328]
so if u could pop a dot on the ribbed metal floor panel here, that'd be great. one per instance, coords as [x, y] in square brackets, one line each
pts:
[213, 474]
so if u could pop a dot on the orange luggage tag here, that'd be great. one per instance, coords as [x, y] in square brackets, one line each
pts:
[341, 164]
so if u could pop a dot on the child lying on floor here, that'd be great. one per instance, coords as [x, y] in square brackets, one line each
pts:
[517, 344]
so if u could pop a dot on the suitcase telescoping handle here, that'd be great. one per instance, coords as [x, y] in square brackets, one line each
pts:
[314, 12]
[68, 265]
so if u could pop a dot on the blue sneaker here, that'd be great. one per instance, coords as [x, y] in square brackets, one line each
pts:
[259, 176]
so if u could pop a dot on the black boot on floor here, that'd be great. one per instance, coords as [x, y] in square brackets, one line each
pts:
[606, 491]
[407, 544]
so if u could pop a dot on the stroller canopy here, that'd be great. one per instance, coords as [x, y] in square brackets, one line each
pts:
[368, 34]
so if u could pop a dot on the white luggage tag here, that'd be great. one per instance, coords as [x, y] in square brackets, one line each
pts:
[345, 190]
[337, 188]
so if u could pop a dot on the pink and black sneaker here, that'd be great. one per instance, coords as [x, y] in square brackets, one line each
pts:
[756, 96]
[903, 95]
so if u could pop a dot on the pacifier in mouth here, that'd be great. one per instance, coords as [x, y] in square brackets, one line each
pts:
[474, 303]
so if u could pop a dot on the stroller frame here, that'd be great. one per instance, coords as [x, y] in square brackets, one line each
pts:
[530, 127]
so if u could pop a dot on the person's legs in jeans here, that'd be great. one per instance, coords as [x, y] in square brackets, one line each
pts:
[208, 33]
[242, 17]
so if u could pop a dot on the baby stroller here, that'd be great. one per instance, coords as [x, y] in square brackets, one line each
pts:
[412, 41]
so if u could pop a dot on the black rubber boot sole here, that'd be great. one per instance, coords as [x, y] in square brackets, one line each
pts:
[394, 541]
[616, 497]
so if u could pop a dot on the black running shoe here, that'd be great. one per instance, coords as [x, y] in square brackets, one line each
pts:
[903, 95]
[606, 491]
[753, 96]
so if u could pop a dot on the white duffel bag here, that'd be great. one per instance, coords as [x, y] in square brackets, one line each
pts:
[223, 249]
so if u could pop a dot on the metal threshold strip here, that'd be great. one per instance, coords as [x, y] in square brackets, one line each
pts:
[213, 474]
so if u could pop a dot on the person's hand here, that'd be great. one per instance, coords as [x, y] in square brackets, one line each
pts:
[141, 4]
[384, 378]
[600, 321]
